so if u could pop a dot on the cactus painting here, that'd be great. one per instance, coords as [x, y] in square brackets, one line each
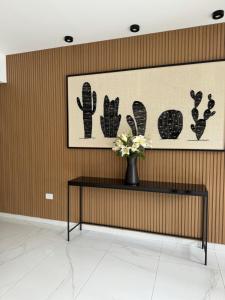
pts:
[139, 125]
[89, 107]
[110, 122]
[170, 124]
[177, 107]
[200, 124]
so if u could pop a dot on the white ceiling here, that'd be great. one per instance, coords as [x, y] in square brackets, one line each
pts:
[27, 25]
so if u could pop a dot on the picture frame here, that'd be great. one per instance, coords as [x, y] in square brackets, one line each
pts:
[168, 110]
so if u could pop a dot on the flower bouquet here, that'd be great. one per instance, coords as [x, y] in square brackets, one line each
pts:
[131, 147]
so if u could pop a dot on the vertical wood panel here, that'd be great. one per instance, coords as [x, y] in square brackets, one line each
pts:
[34, 158]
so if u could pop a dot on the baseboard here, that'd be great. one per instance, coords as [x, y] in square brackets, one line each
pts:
[123, 232]
[23, 218]
[32, 219]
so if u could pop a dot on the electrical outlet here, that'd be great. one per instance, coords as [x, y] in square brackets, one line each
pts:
[49, 196]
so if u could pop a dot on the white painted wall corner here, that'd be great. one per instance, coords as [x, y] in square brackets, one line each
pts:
[3, 76]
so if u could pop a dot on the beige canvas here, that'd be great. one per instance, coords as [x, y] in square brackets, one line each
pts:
[158, 89]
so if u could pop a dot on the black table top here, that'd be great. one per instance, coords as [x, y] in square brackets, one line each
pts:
[144, 186]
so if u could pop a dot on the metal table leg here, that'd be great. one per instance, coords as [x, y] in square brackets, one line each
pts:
[206, 228]
[203, 221]
[81, 198]
[68, 213]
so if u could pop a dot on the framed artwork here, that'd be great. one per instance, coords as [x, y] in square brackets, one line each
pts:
[176, 107]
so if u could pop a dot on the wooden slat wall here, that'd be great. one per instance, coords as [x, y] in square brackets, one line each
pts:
[34, 158]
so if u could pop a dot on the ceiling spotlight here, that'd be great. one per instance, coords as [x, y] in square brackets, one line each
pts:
[68, 39]
[218, 14]
[134, 28]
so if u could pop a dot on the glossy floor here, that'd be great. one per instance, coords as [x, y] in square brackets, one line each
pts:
[104, 264]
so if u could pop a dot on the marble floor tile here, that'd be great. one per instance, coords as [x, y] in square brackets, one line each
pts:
[121, 275]
[186, 282]
[187, 255]
[43, 279]
[36, 262]
[220, 254]
[94, 240]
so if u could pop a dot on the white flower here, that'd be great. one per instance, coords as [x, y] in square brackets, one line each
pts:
[126, 145]
[125, 151]
[141, 140]
[119, 143]
[135, 147]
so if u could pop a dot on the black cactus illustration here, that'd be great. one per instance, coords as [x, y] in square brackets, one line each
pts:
[140, 116]
[88, 108]
[200, 124]
[170, 124]
[110, 122]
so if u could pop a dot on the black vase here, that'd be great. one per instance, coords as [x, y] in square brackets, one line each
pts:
[131, 173]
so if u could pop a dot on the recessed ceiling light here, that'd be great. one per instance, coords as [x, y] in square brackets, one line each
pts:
[218, 14]
[134, 28]
[68, 39]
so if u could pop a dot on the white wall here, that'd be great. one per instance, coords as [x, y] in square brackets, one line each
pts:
[2, 68]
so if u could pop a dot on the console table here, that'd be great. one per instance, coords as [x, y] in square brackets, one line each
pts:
[143, 186]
